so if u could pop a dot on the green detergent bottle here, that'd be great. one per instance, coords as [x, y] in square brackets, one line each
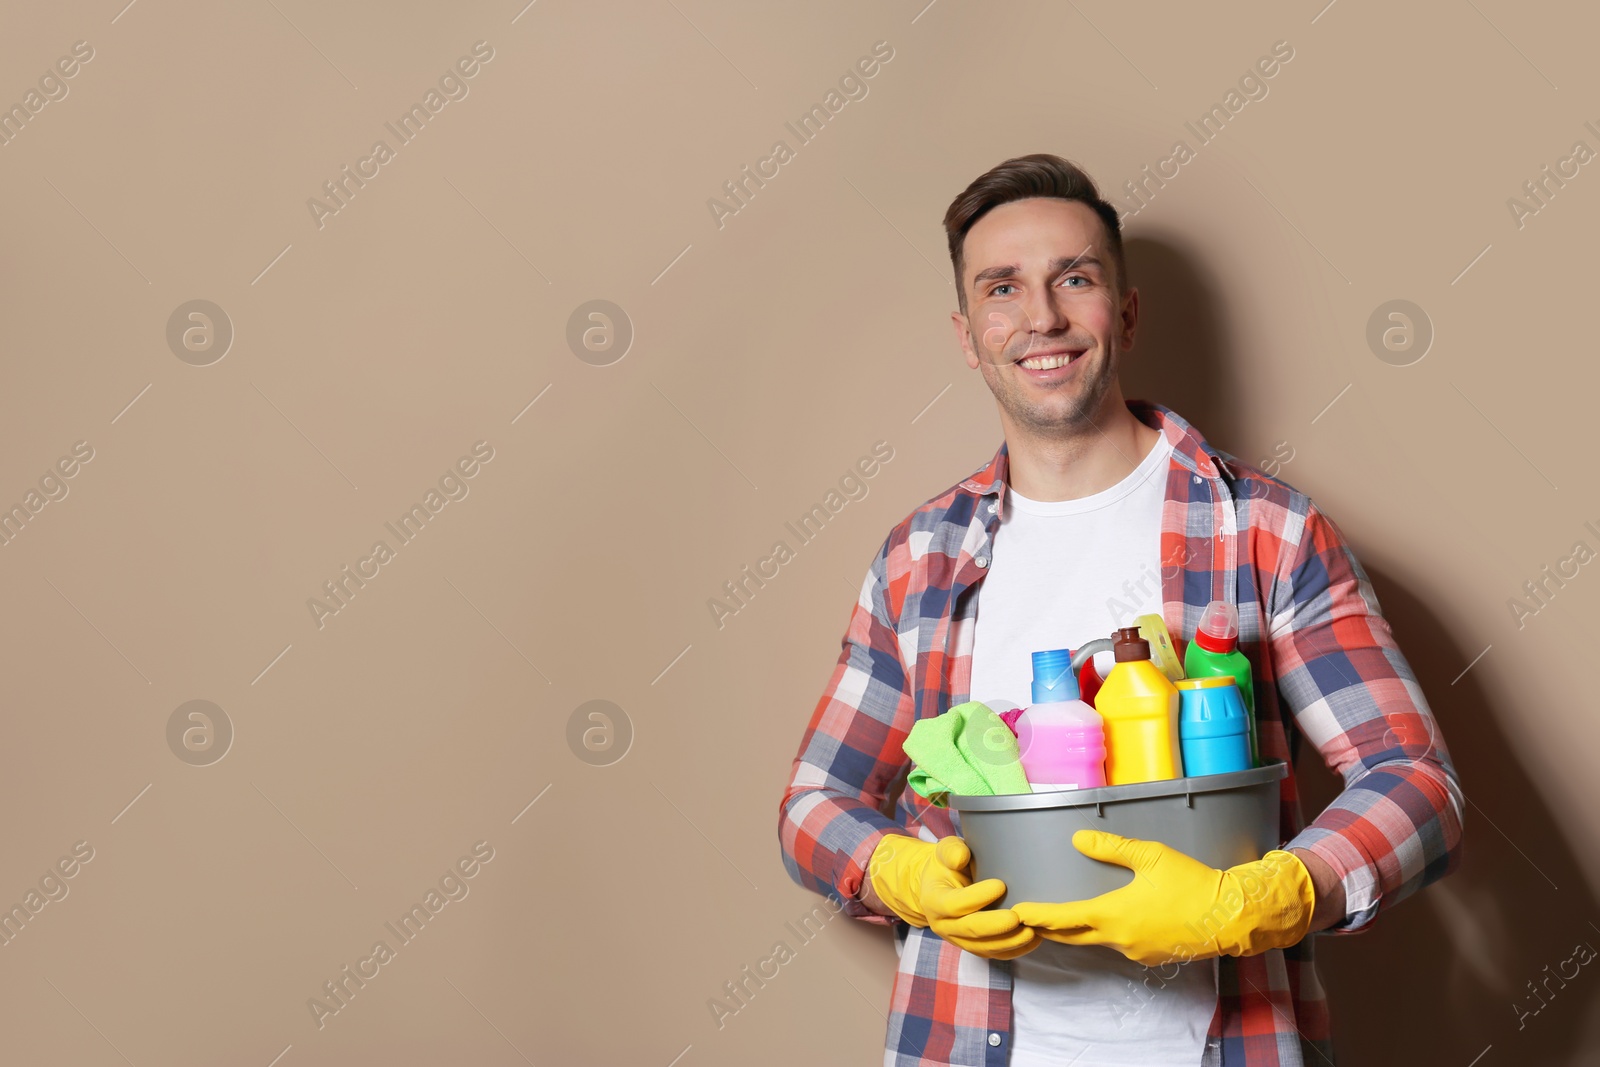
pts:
[1214, 653]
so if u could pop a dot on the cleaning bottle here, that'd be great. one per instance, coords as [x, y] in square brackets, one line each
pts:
[1212, 726]
[1089, 682]
[1061, 737]
[1139, 706]
[1083, 661]
[1214, 653]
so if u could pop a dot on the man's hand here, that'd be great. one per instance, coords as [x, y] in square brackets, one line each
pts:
[1177, 908]
[927, 885]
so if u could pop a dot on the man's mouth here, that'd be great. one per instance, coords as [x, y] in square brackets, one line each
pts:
[1049, 360]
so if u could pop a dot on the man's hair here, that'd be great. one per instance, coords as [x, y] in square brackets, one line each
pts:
[1039, 174]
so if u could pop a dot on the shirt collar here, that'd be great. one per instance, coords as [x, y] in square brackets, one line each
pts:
[1189, 449]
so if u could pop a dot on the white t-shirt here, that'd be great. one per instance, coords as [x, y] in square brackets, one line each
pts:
[1063, 573]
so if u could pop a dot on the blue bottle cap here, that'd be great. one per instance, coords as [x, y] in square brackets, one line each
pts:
[1053, 680]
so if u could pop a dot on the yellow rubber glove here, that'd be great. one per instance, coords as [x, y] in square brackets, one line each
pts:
[1177, 908]
[927, 885]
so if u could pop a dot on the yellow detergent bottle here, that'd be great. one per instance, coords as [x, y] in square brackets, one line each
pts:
[1140, 708]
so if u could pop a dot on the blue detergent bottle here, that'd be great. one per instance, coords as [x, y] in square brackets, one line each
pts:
[1213, 726]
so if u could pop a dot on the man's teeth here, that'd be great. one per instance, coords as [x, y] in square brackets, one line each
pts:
[1046, 362]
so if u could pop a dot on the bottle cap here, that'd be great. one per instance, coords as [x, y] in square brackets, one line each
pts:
[1205, 683]
[1219, 627]
[1053, 680]
[1127, 645]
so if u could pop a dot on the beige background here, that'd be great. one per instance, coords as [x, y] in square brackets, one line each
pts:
[372, 752]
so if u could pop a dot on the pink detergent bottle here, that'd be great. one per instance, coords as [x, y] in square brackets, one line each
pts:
[1062, 739]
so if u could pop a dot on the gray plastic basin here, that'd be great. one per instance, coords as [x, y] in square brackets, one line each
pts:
[1025, 839]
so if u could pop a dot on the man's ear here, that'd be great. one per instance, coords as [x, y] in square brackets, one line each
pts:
[1129, 319]
[964, 337]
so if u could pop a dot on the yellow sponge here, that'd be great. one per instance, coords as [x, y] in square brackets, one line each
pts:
[1154, 630]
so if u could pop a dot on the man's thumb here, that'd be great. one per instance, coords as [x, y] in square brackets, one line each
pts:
[953, 853]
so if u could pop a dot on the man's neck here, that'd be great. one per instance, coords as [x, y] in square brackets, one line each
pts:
[1079, 464]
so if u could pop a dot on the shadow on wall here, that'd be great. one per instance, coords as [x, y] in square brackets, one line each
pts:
[1500, 952]
[1181, 355]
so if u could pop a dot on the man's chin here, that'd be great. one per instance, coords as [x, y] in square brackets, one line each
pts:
[1053, 422]
[1064, 412]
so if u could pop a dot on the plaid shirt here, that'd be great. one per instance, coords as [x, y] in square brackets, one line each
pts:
[1327, 669]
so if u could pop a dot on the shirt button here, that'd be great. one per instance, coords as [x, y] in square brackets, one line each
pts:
[994, 1039]
[993, 508]
[982, 561]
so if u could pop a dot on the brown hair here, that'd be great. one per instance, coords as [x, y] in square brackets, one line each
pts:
[1039, 174]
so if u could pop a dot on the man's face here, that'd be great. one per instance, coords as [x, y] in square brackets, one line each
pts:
[1045, 322]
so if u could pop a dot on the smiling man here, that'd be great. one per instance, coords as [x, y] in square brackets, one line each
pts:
[1089, 495]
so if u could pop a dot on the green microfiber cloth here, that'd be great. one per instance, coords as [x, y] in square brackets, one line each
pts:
[968, 751]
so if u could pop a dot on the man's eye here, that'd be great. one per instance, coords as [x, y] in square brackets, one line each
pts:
[1077, 278]
[996, 290]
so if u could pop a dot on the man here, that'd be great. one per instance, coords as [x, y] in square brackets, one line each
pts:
[1093, 511]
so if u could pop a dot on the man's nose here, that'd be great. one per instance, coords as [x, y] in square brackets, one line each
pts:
[1045, 314]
